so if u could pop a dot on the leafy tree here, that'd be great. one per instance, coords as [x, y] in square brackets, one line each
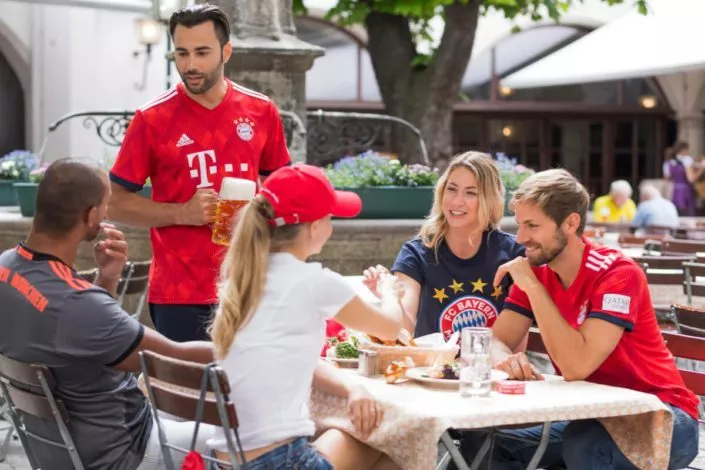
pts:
[423, 87]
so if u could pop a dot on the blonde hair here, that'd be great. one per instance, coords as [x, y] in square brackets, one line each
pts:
[557, 193]
[490, 191]
[244, 270]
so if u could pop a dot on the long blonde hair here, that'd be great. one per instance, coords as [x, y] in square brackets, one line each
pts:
[244, 270]
[491, 197]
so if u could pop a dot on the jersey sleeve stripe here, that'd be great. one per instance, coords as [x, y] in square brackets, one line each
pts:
[129, 185]
[623, 322]
[64, 273]
[130, 349]
[249, 92]
[269, 172]
[518, 309]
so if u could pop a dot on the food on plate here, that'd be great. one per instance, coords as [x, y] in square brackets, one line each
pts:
[347, 348]
[447, 371]
[405, 339]
[397, 370]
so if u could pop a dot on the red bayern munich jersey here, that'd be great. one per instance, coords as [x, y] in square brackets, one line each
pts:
[182, 146]
[613, 288]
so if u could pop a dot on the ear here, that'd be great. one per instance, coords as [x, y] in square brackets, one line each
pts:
[572, 222]
[91, 218]
[227, 52]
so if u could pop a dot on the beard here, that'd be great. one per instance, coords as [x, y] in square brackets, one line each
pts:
[210, 79]
[548, 254]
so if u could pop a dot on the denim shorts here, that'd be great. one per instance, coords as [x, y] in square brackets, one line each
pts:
[296, 455]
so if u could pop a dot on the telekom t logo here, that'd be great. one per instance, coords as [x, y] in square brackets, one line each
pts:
[202, 168]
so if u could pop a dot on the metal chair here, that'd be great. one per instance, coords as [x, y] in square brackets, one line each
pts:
[29, 390]
[134, 281]
[195, 392]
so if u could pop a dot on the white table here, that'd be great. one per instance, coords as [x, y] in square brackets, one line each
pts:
[417, 417]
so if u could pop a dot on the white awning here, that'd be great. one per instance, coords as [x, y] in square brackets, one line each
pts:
[667, 40]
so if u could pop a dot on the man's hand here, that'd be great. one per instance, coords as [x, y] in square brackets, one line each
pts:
[110, 254]
[200, 210]
[518, 367]
[521, 272]
[365, 413]
[371, 277]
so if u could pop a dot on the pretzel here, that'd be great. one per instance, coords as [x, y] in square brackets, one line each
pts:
[397, 370]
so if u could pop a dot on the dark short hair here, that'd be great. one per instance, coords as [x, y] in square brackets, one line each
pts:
[69, 189]
[200, 13]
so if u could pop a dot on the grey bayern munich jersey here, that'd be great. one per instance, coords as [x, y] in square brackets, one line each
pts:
[51, 316]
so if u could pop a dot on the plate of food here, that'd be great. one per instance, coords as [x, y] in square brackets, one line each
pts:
[344, 352]
[446, 375]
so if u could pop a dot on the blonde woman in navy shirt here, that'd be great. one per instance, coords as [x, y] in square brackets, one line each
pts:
[448, 268]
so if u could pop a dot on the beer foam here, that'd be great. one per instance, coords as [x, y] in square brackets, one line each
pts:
[237, 189]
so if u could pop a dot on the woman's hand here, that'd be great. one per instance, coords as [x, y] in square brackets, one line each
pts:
[371, 277]
[365, 413]
[388, 285]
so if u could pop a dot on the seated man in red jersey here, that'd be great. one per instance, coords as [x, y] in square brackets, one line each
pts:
[594, 312]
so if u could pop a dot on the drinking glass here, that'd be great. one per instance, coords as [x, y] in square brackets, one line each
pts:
[476, 370]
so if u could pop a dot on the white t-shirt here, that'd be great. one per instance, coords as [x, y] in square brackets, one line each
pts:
[271, 362]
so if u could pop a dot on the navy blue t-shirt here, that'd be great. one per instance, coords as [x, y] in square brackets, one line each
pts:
[457, 293]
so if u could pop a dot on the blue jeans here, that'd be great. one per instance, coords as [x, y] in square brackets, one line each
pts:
[576, 445]
[296, 455]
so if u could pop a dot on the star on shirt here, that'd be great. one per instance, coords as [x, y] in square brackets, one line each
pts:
[456, 286]
[497, 292]
[440, 295]
[478, 285]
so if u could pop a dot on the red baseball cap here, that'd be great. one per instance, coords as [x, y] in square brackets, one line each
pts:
[302, 193]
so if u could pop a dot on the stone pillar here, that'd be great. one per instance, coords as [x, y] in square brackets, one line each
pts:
[691, 129]
[269, 58]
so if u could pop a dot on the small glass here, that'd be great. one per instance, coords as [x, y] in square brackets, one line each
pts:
[476, 371]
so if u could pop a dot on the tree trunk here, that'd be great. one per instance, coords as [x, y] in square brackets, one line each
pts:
[425, 95]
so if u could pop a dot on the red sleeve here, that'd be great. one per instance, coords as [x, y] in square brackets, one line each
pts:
[132, 166]
[517, 301]
[618, 296]
[275, 154]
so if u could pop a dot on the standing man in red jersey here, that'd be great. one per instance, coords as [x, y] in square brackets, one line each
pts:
[185, 141]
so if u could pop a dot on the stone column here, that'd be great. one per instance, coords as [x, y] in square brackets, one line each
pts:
[691, 129]
[686, 95]
[269, 58]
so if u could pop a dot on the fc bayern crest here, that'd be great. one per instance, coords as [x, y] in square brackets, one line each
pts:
[468, 311]
[244, 128]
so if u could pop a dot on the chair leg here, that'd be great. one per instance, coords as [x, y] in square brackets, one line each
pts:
[6, 444]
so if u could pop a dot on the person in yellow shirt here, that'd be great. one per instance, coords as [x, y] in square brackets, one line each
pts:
[617, 206]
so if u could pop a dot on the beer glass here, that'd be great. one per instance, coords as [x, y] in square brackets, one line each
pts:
[476, 371]
[234, 194]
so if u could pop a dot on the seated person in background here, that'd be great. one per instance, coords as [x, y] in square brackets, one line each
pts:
[447, 270]
[617, 206]
[654, 209]
[270, 323]
[594, 312]
[51, 316]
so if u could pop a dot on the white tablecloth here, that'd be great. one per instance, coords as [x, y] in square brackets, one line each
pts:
[417, 416]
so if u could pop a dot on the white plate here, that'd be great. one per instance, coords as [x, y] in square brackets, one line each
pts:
[345, 363]
[418, 374]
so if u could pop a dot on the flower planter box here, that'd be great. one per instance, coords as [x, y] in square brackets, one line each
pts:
[8, 197]
[394, 202]
[26, 197]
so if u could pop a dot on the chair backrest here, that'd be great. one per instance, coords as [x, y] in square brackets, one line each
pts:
[89, 275]
[689, 320]
[30, 388]
[177, 386]
[183, 389]
[664, 269]
[535, 343]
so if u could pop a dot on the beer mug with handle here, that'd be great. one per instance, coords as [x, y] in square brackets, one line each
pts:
[234, 194]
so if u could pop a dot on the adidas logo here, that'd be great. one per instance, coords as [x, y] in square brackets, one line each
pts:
[184, 140]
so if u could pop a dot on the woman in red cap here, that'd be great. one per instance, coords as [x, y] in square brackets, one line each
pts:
[270, 324]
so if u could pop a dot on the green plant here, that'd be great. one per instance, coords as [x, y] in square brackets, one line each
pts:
[17, 165]
[373, 170]
[512, 173]
[36, 175]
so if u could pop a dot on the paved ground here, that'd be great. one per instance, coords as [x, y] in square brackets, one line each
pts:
[16, 459]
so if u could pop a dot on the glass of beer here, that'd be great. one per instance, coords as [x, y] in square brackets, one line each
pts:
[234, 194]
